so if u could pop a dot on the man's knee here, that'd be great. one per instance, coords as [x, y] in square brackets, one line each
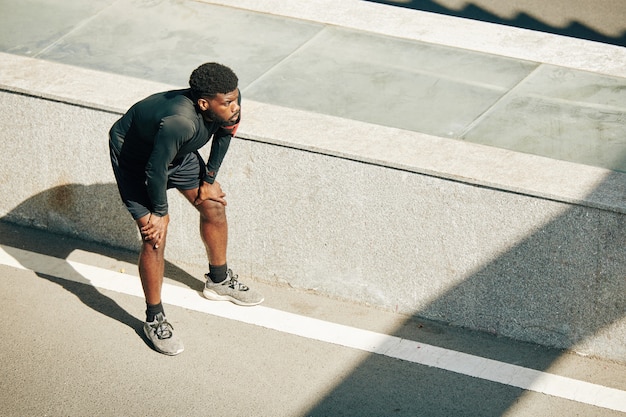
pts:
[212, 211]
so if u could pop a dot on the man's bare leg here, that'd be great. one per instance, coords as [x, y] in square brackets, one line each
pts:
[213, 227]
[151, 265]
[214, 234]
[151, 268]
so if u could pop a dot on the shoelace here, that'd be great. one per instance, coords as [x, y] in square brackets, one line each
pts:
[233, 282]
[162, 329]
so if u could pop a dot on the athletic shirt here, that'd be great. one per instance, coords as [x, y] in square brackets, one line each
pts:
[158, 132]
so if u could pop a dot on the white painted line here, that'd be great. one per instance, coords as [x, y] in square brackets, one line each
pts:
[390, 346]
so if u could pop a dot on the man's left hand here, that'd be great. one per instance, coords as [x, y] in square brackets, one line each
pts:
[211, 192]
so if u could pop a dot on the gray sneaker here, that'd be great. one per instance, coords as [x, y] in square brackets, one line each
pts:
[162, 336]
[231, 290]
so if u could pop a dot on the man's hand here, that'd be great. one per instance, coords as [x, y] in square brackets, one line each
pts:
[155, 229]
[212, 192]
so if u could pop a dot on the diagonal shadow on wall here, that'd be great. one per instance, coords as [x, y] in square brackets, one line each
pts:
[578, 255]
[575, 29]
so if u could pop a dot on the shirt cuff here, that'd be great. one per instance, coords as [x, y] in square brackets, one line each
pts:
[210, 177]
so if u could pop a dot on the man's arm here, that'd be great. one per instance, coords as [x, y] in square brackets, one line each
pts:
[172, 133]
[219, 147]
[210, 189]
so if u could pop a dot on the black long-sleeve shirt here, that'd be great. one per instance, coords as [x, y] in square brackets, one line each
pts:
[160, 130]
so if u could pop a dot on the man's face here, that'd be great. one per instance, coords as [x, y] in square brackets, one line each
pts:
[223, 108]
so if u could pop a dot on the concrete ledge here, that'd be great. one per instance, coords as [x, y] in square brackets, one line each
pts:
[513, 244]
[411, 151]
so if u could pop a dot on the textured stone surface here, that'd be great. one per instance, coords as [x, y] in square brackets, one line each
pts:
[520, 266]
[388, 213]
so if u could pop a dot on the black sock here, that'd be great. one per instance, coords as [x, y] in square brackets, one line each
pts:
[153, 310]
[218, 273]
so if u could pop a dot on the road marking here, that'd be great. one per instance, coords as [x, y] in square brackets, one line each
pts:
[378, 343]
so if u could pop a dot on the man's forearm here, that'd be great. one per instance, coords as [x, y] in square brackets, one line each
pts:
[219, 147]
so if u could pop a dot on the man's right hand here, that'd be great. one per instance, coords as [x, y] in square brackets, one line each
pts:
[155, 229]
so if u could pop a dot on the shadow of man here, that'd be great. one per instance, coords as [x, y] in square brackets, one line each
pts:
[78, 218]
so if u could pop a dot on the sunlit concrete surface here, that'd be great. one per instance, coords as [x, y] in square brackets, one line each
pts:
[473, 176]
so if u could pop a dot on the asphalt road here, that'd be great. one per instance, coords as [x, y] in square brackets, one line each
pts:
[72, 346]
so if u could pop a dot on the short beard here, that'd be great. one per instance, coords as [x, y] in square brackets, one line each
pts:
[210, 115]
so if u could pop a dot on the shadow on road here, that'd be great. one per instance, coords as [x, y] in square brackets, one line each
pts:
[48, 223]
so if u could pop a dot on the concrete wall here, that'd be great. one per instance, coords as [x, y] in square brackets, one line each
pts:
[511, 244]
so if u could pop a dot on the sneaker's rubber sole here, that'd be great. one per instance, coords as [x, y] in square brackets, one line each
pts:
[213, 296]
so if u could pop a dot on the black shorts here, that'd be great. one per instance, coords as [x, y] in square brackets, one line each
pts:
[185, 174]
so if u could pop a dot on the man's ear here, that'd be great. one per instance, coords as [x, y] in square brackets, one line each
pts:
[203, 104]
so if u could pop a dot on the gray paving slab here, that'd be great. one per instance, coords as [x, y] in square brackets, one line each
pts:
[28, 27]
[389, 81]
[165, 41]
[562, 114]
[450, 92]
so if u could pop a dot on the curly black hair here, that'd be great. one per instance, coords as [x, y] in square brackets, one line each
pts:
[212, 78]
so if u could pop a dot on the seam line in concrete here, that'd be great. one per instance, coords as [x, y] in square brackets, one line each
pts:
[512, 91]
[73, 29]
[285, 58]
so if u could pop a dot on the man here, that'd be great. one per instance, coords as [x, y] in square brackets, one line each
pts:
[154, 147]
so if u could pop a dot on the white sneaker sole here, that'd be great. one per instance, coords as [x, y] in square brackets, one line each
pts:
[213, 296]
